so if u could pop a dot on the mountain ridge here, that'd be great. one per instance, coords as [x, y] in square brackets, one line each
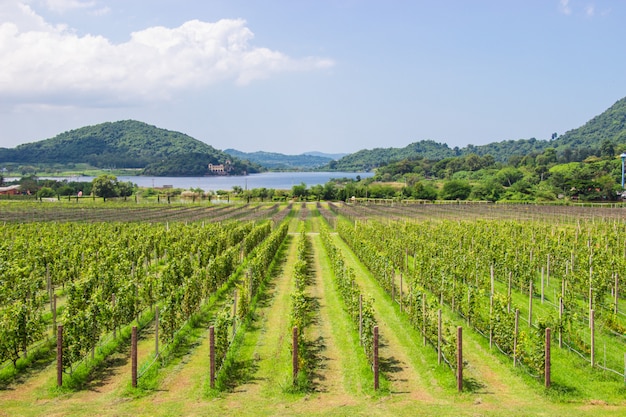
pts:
[157, 151]
[574, 145]
[127, 144]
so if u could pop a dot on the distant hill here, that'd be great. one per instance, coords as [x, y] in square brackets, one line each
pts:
[366, 160]
[279, 161]
[126, 144]
[574, 145]
[610, 126]
[133, 144]
[334, 156]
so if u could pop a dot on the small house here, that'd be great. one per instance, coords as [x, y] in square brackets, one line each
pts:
[10, 190]
[221, 169]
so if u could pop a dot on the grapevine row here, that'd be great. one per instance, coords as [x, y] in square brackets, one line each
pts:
[350, 293]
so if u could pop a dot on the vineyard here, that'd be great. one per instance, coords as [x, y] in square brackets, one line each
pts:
[121, 308]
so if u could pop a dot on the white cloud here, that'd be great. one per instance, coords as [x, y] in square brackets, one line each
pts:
[50, 65]
[565, 7]
[22, 15]
[590, 10]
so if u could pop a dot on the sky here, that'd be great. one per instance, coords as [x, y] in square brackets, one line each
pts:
[293, 76]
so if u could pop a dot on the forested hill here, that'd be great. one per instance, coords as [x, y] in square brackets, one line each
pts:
[610, 126]
[366, 160]
[278, 161]
[598, 136]
[126, 144]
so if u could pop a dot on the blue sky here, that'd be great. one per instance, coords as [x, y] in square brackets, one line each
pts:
[292, 76]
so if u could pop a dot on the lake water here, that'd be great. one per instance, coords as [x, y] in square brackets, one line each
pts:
[275, 180]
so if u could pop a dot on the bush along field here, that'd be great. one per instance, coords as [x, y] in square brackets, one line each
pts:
[311, 309]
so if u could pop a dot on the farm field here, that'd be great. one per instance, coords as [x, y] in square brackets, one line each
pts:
[253, 271]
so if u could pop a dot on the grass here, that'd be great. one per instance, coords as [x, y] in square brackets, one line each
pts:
[82, 372]
[356, 373]
[36, 359]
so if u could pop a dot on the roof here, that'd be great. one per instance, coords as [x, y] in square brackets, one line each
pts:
[9, 188]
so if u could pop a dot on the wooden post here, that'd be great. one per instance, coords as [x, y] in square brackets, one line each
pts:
[459, 358]
[133, 356]
[515, 333]
[60, 356]
[548, 271]
[547, 363]
[439, 336]
[156, 331]
[294, 357]
[212, 356]
[593, 338]
[530, 304]
[376, 376]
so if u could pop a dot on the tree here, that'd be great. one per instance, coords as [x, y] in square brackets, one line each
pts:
[423, 191]
[261, 193]
[490, 190]
[45, 192]
[456, 190]
[472, 162]
[299, 191]
[547, 157]
[105, 186]
[330, 191]
[508, 176]
[125, 189]
[29, 185]
[607, 149]
[317, 191]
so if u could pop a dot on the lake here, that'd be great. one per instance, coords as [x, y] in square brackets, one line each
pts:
[275, 180]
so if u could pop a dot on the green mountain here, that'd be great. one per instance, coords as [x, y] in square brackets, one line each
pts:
[333, 156]
[366, 160]
[127, 144]
[279, 161]
[608, 127]
[599, 136]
